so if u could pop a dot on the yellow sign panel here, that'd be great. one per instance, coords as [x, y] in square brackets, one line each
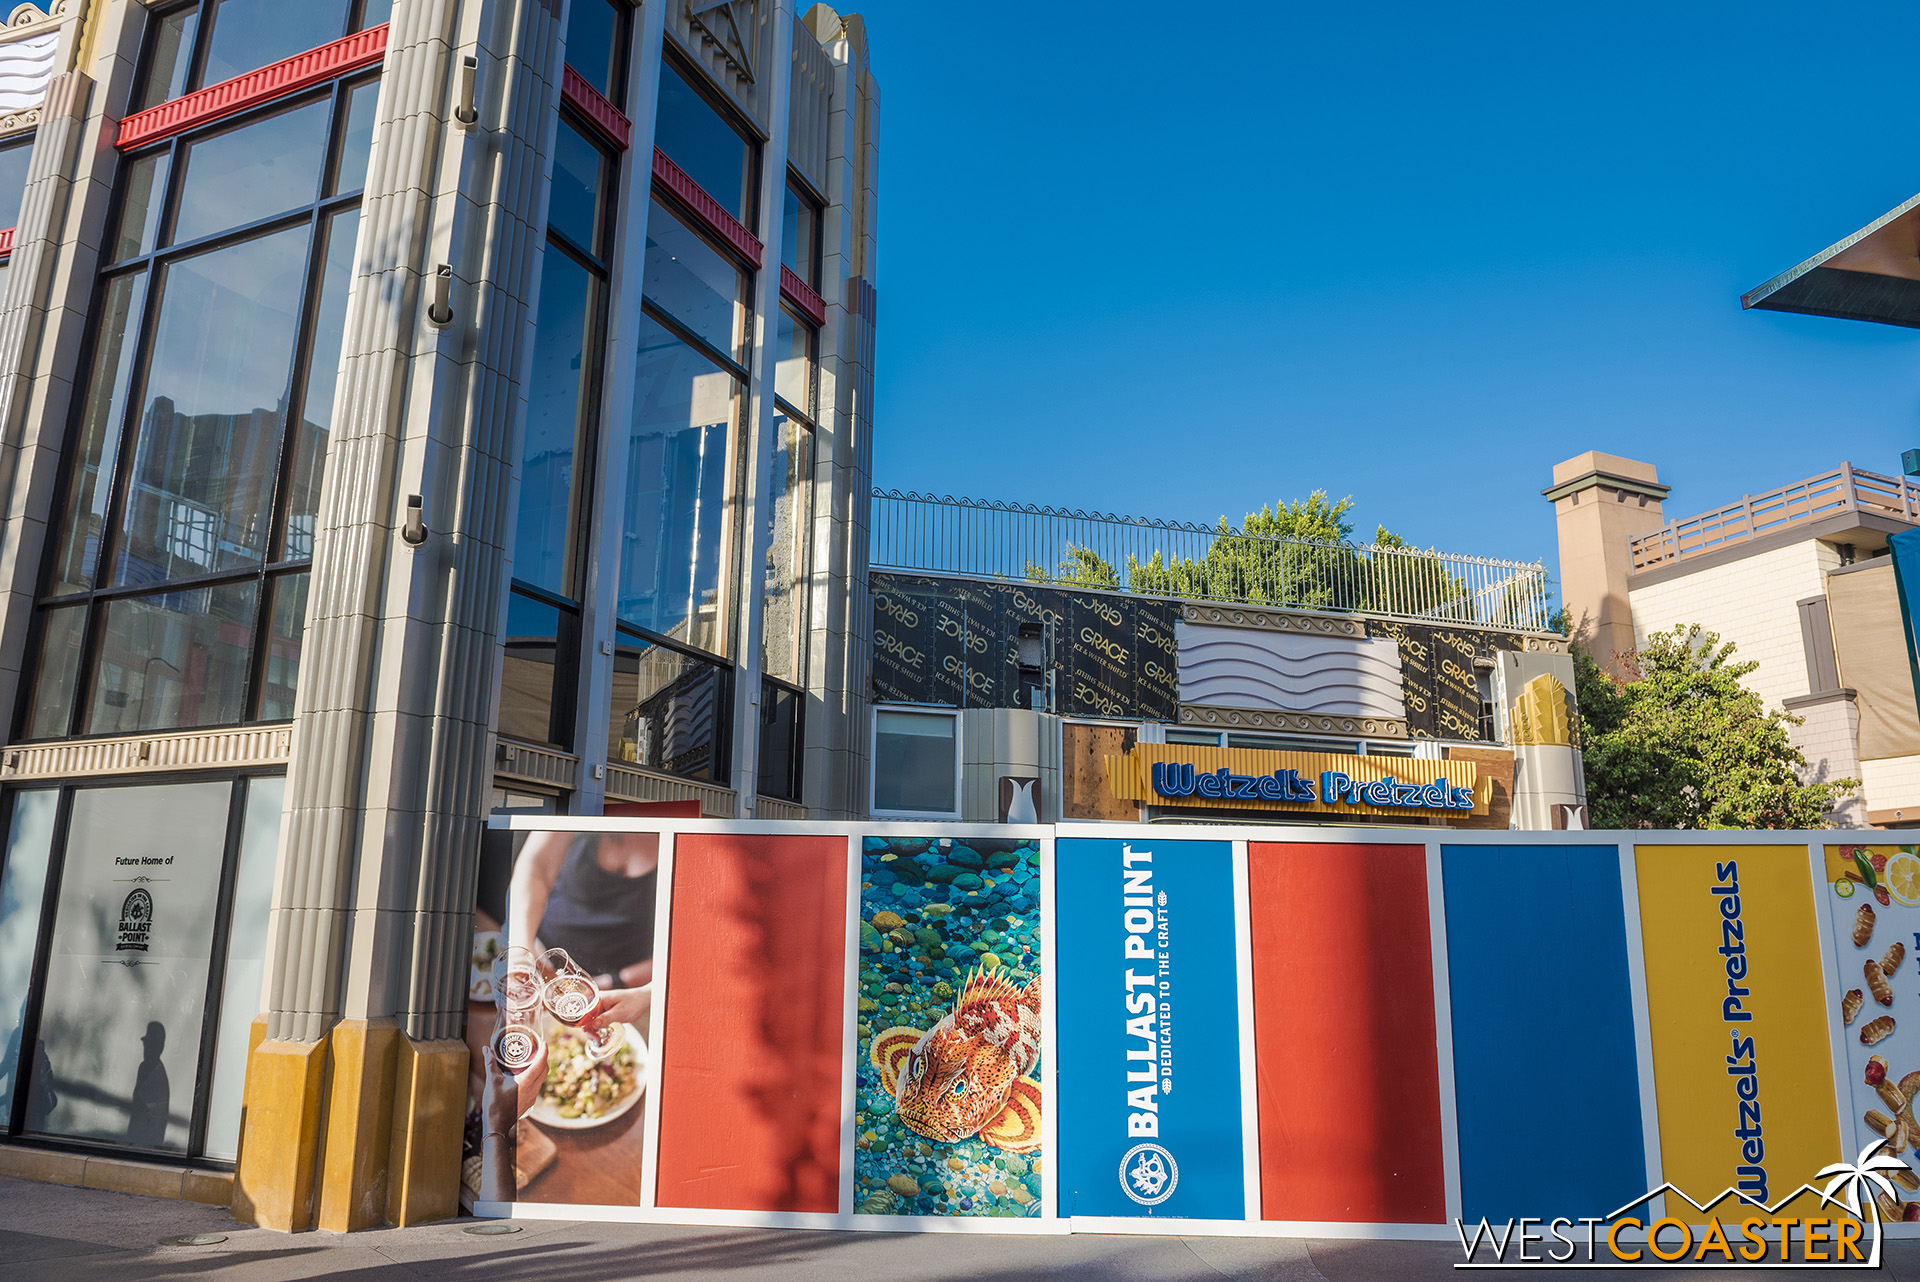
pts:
[1741, 1066]
[1163, 774]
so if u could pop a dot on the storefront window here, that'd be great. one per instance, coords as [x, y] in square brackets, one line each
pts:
[126, 986]
[13, 178]
[23, 883]
[704, 143]
[696, 284]
[669, 710]
[198, 447]
[240, 991]
[915, 763]
[780, 740]
[536, 675]
[679, 444]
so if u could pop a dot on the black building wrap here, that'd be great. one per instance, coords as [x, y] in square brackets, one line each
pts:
[956, 643]
[1437, 670]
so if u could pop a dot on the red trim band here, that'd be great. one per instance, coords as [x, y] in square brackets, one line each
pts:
[706, 208]
[591, 103]
[802, 295]
[291, 75]
[6, 243]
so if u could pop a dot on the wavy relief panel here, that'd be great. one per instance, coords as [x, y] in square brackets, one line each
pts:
[1291, 672]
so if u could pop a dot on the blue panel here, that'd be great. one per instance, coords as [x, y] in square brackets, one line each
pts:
[1546, 1079]
[1905, 547]
[1149, 1109]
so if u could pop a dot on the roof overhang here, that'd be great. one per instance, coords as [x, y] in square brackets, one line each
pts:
[1872, 275]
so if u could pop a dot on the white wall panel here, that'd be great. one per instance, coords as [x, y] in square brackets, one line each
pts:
[1292, 672]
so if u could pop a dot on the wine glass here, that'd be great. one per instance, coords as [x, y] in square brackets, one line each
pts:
[516, 982]
[516, 1040]
[571, 994]
[603, 1037]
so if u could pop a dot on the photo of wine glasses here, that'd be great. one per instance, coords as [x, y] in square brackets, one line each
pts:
[516, 980]
[516, 1041]
[570, 995]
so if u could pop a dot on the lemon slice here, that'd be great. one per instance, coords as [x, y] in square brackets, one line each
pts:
[1902, 879]
[1844, 888]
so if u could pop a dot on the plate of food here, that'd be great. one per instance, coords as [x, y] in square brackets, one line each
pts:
[580, 1094]
[487, 945]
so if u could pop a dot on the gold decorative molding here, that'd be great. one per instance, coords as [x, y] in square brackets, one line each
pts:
[1240, 616]
[148, 754]
[1207, 717]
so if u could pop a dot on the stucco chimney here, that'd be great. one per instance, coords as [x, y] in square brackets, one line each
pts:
[1601, 503]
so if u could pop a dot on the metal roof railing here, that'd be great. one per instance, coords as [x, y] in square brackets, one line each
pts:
[940, 534]
[1845, 489]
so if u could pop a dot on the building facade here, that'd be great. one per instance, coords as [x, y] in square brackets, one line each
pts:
[1800, 580]
[411, 410]
[1033, 665]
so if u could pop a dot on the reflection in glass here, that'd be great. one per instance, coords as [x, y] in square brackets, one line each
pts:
[698, 138]
[241, 985]
[13, 180]
[171, 59]
[579, 185]
[668, 710]
[356, 140]
[302, 504]
[143, 194]
[783, 594]
[90, 474]
[593, 44]
[286, 628]
[695, 284]
[684, 409]
[799, 236]
[780, 741]
[174, 661]
[251, 34]
[793, 362]
[253, 172]
[57, 672]
[23, 885]
[559, 408]
[209, 445]
[126, 987]
[913, 762]
[535, 704]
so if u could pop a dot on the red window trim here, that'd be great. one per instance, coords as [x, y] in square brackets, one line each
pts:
[290, 75]
[591, 103]
[706, 209]
[802, 295]
[6, 244]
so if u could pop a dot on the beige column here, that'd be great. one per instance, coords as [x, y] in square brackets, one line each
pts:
[1601, 503]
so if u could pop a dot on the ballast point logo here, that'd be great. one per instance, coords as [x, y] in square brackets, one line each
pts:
[1760, 1238]
[1149, 1174]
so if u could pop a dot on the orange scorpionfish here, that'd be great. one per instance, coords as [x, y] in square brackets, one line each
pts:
[967, 1075]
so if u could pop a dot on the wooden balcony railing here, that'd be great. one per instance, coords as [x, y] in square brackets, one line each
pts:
[1845, 489]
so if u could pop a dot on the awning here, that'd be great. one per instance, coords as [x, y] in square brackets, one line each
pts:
[1872, 275]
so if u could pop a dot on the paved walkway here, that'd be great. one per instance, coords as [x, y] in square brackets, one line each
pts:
[49, 1233]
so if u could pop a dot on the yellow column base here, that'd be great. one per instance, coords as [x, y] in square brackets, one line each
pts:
[360, 1099]
[429, 1114]
[273, 1185]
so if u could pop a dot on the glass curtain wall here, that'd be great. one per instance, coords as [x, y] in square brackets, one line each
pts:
[131, 1026]
[671, 698]
[175, 591]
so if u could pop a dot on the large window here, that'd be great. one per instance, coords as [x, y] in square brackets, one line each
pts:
[157, 898]
[597, 45]
[670, 709]
[916, 764]
[195, 45]
[800, 234]
[704, 140]
[14, 155]
[176, 584]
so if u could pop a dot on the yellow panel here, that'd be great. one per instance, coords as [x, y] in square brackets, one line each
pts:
[1700, 1016]
[1130, 776]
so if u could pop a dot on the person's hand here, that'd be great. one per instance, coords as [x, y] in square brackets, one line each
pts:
[509, 1094]
[625, 1005]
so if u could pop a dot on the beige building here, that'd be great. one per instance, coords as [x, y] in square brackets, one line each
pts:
[1798, 579]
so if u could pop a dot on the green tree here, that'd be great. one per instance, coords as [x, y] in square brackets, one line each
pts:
[1082, 567]
[1681, 743]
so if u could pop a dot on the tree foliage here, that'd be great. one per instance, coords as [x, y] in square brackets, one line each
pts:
[1681, 743]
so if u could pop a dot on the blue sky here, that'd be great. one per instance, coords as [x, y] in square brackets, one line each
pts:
[1183, 260]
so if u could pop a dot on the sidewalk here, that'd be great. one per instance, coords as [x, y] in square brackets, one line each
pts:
[51, 1233]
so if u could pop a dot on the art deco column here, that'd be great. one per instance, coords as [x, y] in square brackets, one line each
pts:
[392, 748]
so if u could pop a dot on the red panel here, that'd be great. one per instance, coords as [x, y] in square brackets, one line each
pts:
[755, 1014]
[592, 104]
[706, 208]
[1344, 1041]
[360, 49]
[802, 295]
